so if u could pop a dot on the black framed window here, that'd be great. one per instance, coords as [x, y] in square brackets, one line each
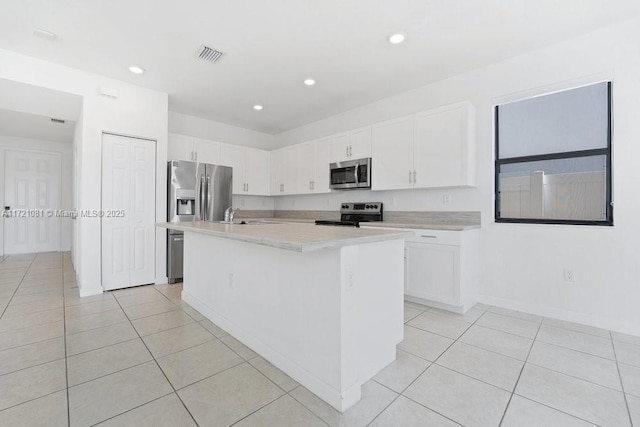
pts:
[553, 158]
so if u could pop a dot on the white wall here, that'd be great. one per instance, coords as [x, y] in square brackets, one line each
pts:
[65, 151]
[208, 129]
[136, 112]
[522, 265]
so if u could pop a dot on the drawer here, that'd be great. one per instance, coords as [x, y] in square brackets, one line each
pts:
[436, 237]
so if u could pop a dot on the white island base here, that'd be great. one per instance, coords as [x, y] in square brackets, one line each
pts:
[329, 318]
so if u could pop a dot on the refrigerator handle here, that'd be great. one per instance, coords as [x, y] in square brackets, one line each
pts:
[202, 198]
[208, 197]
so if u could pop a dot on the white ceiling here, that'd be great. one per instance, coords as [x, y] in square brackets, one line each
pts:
[33, 126]
[271, 46]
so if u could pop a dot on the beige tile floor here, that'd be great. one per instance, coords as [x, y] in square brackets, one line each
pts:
[143, 357]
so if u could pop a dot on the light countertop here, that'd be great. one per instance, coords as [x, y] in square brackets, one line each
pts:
[393, 224]
[295, 236]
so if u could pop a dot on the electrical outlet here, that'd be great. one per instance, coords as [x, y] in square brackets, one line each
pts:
[569, 275]
[242, 202]
[446, 199]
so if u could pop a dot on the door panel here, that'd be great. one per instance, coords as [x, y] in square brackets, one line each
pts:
[128, 206]
[233, 155]
[32, 190]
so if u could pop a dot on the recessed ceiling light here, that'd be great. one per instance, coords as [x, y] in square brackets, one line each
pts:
[396, 38]
[136, 70]
[309, 82]
[257, 107]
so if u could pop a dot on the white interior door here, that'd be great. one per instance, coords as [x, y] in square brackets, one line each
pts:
[32, 192]
[128, 208]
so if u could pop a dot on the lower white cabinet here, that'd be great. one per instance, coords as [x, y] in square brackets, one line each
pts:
[441, 268]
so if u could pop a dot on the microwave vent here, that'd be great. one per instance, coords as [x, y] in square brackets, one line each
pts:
[209, 54]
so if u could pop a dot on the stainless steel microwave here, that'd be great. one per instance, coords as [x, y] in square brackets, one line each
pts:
[350, 174]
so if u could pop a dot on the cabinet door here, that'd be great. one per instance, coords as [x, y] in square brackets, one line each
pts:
[233, 155]
[276, 162]
[432, 272]
[257, 171]
[392, 148]
[179, 147]
[306, 162]
[290, 170]
[322, 158]
[441, 147]
[340, 147]
[360, 143]
[207, 151]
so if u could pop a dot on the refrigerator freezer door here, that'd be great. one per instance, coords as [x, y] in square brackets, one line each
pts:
[219, 183]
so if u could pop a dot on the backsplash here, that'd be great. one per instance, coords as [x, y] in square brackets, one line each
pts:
[405, 217]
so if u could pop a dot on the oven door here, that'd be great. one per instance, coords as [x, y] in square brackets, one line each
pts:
[351, 174]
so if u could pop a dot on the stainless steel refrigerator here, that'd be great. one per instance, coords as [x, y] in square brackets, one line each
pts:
[196, 192]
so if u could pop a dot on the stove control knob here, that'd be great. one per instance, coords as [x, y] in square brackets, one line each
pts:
[345, 207]
[375, 206]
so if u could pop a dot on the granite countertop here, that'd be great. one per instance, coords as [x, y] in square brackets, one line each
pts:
[300, 237]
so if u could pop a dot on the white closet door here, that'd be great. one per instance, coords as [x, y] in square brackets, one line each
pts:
[32, 190]
[128, 206]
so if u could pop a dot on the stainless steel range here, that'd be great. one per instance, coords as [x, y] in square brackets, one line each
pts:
[352, 214]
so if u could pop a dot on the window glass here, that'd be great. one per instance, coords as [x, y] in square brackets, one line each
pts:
[572, 120]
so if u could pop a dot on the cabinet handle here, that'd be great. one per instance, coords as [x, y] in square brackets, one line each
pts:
[247, 187]
[346, 149]
[313, 185]
[414, 176]
[409, 177]
[196, 155]
[429, 237]
[350, 150]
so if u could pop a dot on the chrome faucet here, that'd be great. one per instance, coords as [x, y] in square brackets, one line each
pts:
[229, 213]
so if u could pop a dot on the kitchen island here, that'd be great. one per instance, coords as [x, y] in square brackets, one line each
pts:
[323, 304]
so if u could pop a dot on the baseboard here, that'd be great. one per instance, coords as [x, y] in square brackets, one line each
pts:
[87, 292]
[631, 328]
[162, 280]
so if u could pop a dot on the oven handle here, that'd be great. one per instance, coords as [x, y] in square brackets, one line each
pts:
[356, 170]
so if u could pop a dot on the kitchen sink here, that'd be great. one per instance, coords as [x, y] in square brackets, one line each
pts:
[250, 222]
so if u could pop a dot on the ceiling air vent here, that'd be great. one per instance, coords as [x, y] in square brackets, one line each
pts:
[208, 54]
[57, 120]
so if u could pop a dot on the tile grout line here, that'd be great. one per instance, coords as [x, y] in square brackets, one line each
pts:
[158, 365]
[64, 337]
[425, 370]
[506, 408]
[17, 287]
[624, 394]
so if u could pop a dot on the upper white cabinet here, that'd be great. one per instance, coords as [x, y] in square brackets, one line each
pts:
[206, 151]
[430, 149]
[182, 147]
[355, 144]
[313, 166]
[250, 169]
[392, 154]
[443, 150]
[284, 166]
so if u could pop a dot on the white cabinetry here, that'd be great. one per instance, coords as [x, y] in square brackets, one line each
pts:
[441, 268]
[355, 144]
[284, 164]
[392, 154]
[183, 147]
[443, 150]
[250, 169]
[426, 150]
[313, 166]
